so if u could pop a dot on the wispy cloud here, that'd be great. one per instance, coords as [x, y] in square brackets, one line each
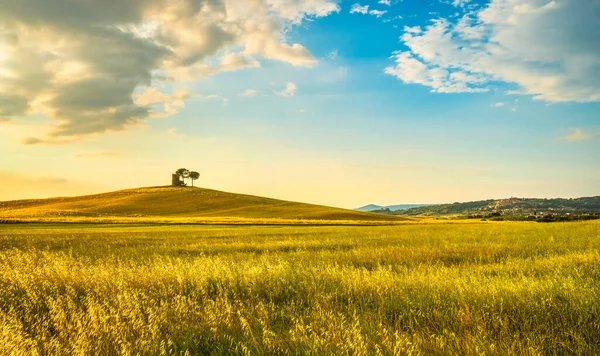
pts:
[364, 10]
[100, 154]
[388, 167]
[578, 135]
[290, 90]
[171, 103]
[359, 9]
[456, 3]
[31, 141]
[377, 13]
[224, 99]
[250, 93]
[173, 132]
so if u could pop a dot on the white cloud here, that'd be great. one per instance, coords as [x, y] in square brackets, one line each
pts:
[81, 65]
[358, 9]
[333, 54]
[457, 3]
[411, 69]
[385, 2]
[224, 99]
[414, 30]
[391, 19]
[498, 105]
[577, 135]
[250, 93]
[171, 104]
[297, 10]
[377, 13]
[546, 48]
[173, 132]
[290, 90]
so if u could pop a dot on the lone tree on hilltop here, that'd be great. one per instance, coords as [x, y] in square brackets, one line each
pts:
[183, 173]
[193, 176]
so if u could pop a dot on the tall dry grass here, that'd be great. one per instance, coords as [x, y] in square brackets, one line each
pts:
[495, 289]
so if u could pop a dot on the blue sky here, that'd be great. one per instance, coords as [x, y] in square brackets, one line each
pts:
[319, 101]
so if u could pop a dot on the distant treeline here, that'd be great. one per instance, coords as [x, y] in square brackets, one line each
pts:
[538, 218]
[10, 222]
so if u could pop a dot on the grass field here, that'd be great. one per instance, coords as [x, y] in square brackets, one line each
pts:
[480, 288]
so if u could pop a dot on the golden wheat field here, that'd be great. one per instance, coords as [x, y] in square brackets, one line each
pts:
[414, 289]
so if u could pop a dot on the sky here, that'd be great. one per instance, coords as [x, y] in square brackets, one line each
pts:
[340, 103]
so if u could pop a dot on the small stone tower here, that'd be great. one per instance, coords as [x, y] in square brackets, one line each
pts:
[175, 180]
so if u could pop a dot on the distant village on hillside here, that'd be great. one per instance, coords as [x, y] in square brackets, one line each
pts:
[513, 209]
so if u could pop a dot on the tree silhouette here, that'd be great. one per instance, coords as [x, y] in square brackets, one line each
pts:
[194, 176]
[183, 173]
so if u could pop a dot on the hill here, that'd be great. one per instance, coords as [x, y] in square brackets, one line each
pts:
[370, 207]
[174, 203]
[391, 208]
[512, 207]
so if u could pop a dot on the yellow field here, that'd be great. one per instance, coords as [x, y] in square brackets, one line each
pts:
[479, 288]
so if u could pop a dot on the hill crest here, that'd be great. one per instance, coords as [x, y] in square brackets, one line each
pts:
[177, 202]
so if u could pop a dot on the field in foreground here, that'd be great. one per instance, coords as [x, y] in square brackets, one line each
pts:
[483, 288]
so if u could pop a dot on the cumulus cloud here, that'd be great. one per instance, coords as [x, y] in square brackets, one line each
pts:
[385, 2]
[411, 69]
[82, 62]
[359, 9]
[377, 13]
[290, 90]
[548, 49]
[12, 105]
[364, 10]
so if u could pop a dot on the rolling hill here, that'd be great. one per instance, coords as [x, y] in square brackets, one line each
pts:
[175, 203]
[391, 208]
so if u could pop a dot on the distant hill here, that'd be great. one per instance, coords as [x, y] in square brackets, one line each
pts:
[169, 202]
[407, 206]
[370, 207]
[391, 208]
[512, 206]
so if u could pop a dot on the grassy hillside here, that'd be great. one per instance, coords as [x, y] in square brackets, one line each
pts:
[175, 202]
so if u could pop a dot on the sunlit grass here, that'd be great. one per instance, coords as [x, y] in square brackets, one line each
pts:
[483, 288]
